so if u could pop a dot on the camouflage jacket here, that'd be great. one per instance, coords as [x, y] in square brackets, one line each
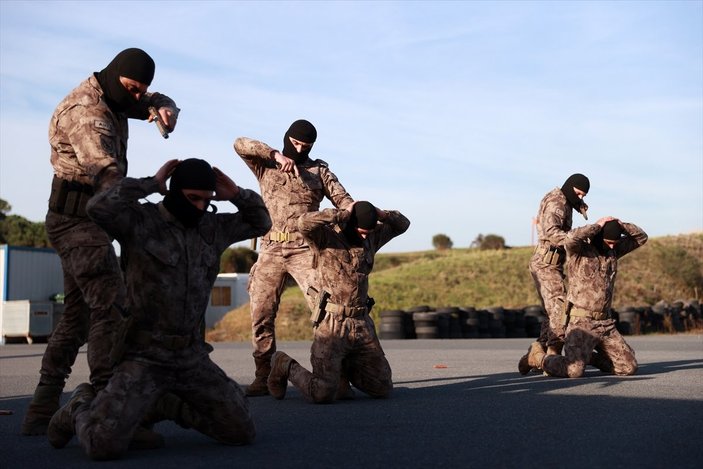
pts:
[343, 269]
[87, 137]
[286, 195]
[591, 271]
[170, 269]
[554, 219]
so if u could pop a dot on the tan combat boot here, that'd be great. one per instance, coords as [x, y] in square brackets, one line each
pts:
[278, 378]
[536, 355]
[523, 366]
[45, 402]
[258, 387]
[62, 425]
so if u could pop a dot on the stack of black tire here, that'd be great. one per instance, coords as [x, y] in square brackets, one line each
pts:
[425, 322]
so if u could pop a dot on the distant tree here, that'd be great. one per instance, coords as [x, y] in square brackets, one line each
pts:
[18, 231]
[492, 241]
[476, 243]
[441, 242]
[239, 259]
[5, 208]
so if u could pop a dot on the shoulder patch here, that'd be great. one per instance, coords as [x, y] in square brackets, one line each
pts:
[322, 163]
[559, 212]
[103, 125]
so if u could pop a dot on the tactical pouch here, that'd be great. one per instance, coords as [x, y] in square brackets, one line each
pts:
[69, 197]
[553, 256]
[318, 312]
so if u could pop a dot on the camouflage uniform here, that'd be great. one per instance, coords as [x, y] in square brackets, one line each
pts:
[87, 139]
[346, 338]
[283, 250]
[554, 221]
[591, 276]
[169, 274]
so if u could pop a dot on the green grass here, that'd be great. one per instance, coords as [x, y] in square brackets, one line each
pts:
[667, 268]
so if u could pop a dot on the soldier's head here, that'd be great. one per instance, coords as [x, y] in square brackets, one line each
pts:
[612, 233]
[362, 221]
[575, 189]
[191, 188]
[298, 140]
[126, 78]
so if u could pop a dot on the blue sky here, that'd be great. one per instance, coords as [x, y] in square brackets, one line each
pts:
[462, 115]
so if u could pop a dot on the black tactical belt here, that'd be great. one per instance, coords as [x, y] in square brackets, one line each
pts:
[69, 197]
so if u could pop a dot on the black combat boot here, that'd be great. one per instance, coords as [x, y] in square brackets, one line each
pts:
[45, 402]
[62, 425]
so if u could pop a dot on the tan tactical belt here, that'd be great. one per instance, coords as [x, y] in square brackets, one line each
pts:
[584, 313]
[346, 311]
[169, 342]
[282, 236]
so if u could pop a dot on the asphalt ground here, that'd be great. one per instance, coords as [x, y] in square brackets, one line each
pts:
[456, 403]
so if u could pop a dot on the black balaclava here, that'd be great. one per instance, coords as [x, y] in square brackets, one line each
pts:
[192, 173]
[579, 181]
[130, 63]
[363, 215]
[612, 231]
[302, 131]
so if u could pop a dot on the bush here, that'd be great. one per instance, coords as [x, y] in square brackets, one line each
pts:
[441, 241]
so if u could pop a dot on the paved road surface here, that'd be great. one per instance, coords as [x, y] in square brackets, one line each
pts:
[474, 410]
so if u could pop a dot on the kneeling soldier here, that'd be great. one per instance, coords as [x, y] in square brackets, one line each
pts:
[593, 252]
[345, 339]
[172, 252]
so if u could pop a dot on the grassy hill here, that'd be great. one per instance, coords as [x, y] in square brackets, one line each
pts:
[667, 268]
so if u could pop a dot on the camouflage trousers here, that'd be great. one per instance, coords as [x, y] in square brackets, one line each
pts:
[218, 406]
[266, 282]
[350, 347]
[92, 283]
[549, 281]
[583, 335]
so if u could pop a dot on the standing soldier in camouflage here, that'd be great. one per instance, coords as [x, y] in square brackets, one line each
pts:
[88, 136]
[291, 184]
[554, 220]
[173, 250]
[345, 340]
[593, 253]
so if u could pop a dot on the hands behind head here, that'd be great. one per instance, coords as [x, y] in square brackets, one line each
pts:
[225, 188]
[164, 173]
[382, 214]
[605, 220]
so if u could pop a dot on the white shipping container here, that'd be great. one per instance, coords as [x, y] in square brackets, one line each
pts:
[31, 276]
[228, 293]
[27, 319]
